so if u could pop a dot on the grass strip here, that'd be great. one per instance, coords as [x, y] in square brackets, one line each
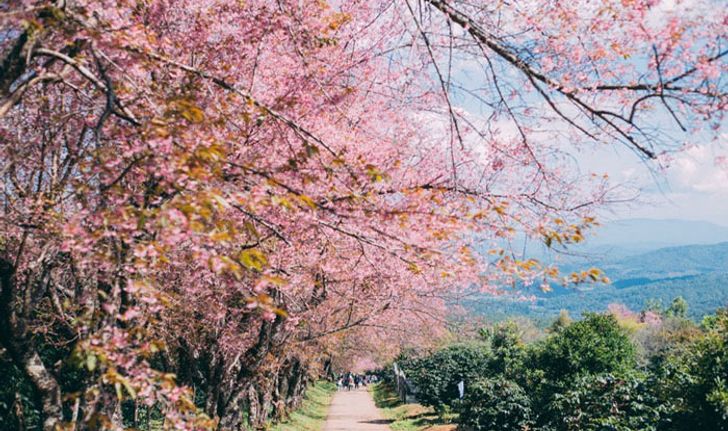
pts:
[406, 417]
[311, 416]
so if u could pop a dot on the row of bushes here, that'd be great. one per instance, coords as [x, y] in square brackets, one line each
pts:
[607, 371]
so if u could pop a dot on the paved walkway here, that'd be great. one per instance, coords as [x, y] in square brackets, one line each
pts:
[354, 411]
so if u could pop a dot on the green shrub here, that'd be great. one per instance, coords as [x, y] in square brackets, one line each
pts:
[437, 376]
[495, 404]
[507, 347]
[585, 377]
[594, 345]
[604, 402]
[693, 379]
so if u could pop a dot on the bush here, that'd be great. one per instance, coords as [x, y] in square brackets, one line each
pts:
[437, 376]
[694, 379]
[495, 404]
[585, 377]
[507, 347]
[594, 345]
[604, 402]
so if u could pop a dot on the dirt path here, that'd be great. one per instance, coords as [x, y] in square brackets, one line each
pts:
[354, 411]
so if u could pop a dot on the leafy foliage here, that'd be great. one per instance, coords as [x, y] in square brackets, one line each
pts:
[594, 345]
[693, 378]
[678, 308]
[620, 402]
[437, 376]
[506, 343]
[206, 203]
[495, 403]
[621, 371]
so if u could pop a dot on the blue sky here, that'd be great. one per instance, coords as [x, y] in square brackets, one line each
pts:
[687, 185]
[692, 187]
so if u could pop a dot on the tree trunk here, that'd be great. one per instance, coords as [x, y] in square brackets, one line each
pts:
[265, 394]
[233, 417]
[17, 339]
[18, 411]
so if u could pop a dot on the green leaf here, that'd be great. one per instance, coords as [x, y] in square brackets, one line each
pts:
[129, 389]
[253, 259]
[91, 362]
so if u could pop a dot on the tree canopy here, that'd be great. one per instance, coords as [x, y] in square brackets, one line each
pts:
[560, 384]
[205, 201]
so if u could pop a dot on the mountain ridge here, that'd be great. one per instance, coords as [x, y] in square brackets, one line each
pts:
[699, 272]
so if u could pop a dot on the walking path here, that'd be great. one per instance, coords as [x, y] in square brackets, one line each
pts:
[354, 411]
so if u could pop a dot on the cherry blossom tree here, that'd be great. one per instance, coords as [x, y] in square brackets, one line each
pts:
[204, 202]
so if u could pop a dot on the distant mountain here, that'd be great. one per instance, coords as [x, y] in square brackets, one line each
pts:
[640, 235]
[704, 294]
[631, 237]
[699, 273]
[668, 262]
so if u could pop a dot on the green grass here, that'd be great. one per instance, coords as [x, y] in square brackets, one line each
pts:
[406, 417]
[312, 413]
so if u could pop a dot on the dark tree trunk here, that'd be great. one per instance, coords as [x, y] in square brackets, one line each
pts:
[18, 411]
[12, 60]
[15, 336]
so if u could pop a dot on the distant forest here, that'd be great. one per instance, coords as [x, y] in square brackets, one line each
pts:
[698, 273]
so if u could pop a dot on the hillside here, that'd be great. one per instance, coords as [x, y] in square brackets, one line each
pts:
[667, 262]
[699, 273]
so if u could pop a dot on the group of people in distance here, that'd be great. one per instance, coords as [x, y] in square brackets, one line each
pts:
[351, 381]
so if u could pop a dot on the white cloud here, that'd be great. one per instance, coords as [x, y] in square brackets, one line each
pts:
[695, 169]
